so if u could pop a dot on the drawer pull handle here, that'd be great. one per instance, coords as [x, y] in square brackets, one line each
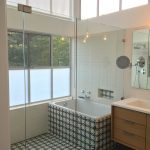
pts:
[129, 122]
[128, 134]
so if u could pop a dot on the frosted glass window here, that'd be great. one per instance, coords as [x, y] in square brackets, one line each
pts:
[61, 7]
[40, 84]
[108, 6]
[17, 87]
[61, 82]
[133, 3]
[15, 2]
[88, 9]
[40, 5]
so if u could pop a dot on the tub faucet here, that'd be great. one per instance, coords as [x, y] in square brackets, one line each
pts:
[85, 95]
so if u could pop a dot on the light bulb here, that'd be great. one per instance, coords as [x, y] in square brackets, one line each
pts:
[84, 40]
[62, 38]
[87, 35]
[105, 38]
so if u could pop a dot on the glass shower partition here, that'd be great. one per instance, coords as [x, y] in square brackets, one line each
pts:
[18, 93]
[99, 81]
[41, 85]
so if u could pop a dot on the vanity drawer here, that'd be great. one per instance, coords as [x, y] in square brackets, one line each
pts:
[148, 133]
[148, 120]
[129, 139]
[130, 127]
[148, 139]
[129, 115]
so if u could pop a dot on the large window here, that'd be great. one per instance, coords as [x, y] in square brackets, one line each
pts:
[40, 5]
[108, 6]
[62, 8]
[88, 9]
[94, 8]
[44, 72]
[126, 4]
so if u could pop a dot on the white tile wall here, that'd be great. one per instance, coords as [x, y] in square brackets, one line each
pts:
[97, 64]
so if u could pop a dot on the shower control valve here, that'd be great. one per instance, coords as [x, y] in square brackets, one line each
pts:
[89, 92]
[82, 91]
[143, 71]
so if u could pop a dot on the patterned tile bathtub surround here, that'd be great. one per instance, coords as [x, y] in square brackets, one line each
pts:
[84, 131]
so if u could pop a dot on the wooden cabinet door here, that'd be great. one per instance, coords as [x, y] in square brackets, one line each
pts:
[148, 133]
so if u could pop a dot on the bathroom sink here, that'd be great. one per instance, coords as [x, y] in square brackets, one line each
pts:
[140, 103]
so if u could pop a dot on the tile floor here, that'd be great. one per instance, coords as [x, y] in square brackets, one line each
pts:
[45, 142]
[50, 142]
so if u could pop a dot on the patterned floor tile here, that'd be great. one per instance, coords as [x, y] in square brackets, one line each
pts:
[45, 142]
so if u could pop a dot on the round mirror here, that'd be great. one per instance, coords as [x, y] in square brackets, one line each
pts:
[123, 62]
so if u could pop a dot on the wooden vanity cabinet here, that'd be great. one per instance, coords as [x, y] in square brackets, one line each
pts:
[129, 128]
[148, 133]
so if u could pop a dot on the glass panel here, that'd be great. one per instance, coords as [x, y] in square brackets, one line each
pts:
[133, 3]
[40, 5]
[15, 45]
[61, 51]
[108, 6]
[61, 82]
[18, 81]
[39, 49]
[88, 9]
[61, 7]
[40, 84]
[15, 2]
[17, 87]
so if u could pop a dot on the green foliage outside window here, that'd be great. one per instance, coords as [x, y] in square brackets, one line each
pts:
[15, 49]
[37, 50]
[61, 51]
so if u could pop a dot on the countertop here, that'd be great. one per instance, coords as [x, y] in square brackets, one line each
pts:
[136, 104]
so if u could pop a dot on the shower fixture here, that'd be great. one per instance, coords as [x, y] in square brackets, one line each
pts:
[123, 62]
[140, 62]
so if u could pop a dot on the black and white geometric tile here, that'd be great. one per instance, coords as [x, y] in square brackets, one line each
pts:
[84, 131]
[45, 142]
[69, 130]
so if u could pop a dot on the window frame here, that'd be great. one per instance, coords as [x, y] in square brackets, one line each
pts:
[120, 9]
[51, 14]
[28, 68]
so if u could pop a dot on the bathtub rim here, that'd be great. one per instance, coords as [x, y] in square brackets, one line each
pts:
[97, 118]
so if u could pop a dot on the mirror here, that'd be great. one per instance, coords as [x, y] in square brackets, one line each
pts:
[123, 62]
[140, 59]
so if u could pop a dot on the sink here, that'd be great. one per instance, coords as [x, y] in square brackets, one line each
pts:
[140, 103]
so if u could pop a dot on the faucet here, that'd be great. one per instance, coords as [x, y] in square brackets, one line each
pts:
[85, 95]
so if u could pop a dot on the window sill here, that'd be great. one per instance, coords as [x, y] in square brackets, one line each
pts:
[40, 102]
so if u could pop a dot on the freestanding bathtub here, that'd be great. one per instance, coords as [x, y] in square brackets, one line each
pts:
[85, 123]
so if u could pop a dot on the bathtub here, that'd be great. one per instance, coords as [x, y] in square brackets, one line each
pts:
[82, 122]
[86, 107]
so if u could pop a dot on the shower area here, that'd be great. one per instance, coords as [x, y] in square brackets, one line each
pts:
[62, 77]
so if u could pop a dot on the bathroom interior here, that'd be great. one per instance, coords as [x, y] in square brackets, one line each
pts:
[76, 75]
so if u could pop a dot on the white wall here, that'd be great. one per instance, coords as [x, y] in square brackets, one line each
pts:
[97, 64]
[28, 122]
[4, 109]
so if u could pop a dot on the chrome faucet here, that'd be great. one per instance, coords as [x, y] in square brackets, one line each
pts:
[85, 95]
